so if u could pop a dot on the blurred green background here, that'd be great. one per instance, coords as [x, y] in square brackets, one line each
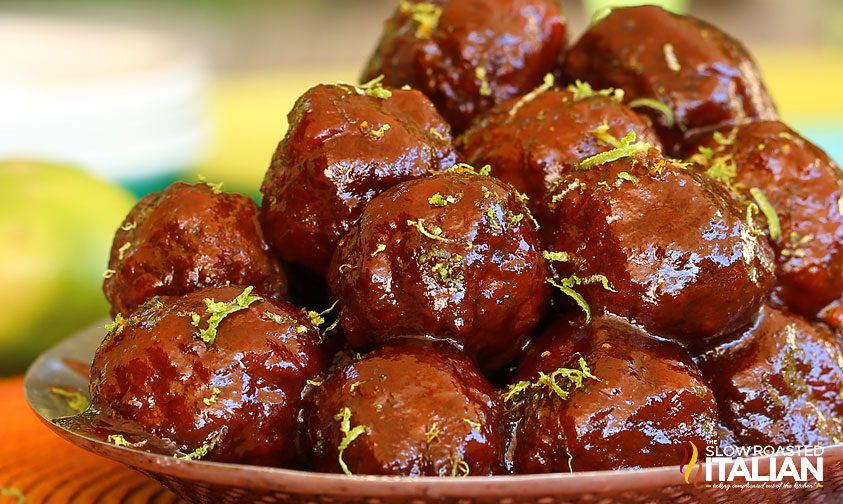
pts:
[145, 92]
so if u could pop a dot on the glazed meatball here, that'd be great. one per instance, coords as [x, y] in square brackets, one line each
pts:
[767, 163]
[412, 409]
[468, 55]
[218, 372]
[704, 77]
[833, 314]
[345, 145]
[532, 140]
[456, 256]
[185, 238]
[779, 382]
[605, 396]
[658, 243]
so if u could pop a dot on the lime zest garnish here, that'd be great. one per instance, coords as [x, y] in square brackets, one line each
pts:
[432, 433]
[379, 133]
[437, 134]
[773, 222]
[218, 311]
[575, 376]
[658, 106]
[116, 327]
[567, 287]
[119, 440]
[583, 90]
[374, 88]
[76, 400]
[440, 201]
[628, 147]
[433, 232]
[547, 85]
[460, 468]
[215, 393]
[475, 426]
[466, 168]
[425, 14]
[380, 248]
[671, 59]
[349, 435]
[556, 256]
[482, 74]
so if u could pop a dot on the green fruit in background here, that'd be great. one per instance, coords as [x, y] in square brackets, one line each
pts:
[56, 228]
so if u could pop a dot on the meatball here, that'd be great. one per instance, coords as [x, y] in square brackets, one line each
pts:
[532, 140]
[779, 382]
[185, 238]
[650, 240]
[468, 55]
[833, 314]
[219, 372]
[412, 408]
[702, 77]
[800, 191]
[606, 396]
[345, 144]
[456, 256]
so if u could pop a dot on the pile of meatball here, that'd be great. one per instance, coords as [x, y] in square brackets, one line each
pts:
[497, 254]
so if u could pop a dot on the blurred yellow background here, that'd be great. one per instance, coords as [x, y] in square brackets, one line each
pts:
[144, 92]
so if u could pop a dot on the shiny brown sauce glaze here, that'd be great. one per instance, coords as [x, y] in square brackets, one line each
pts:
[805, 190]
[345, 145]
[455, 256]
[532, 141]
[424, 409]
[705, 77]
[642, 405]
[185, 238]
[779, 382]
[236, 397]
[468, 55]
[659, 243]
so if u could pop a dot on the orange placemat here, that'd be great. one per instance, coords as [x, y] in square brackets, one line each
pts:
[44, 468]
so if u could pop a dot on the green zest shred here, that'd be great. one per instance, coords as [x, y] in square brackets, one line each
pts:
[374, 88]
[547, 85]
[482, 75]
[567, 287]
[119, 440]
[628, 147]
[218, 310]
[349, 435]
[556, 256]
[440, 201]
[671, 59]
[433, 232]
[583, 90]
[215, 393]
[773, 223]
[380, 248]
[460, 468]
[75, 399]
[117, 326]
[425, 14]
[658, 106]
[575, 376]
[475, 426]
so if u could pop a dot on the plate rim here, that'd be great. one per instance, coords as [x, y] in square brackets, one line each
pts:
[309, 482]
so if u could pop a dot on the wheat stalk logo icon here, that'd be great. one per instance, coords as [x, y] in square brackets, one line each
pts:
[689, 463]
